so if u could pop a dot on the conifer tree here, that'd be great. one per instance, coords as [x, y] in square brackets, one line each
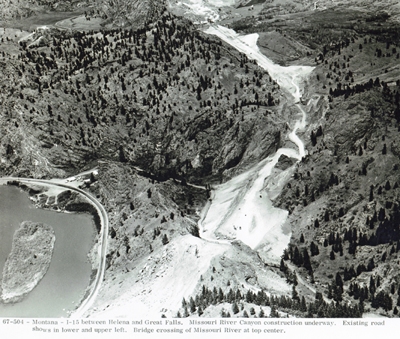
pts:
[339, 281]
[303, 305]
[186, 312]
[306, 260]
[295, 282]
[372, 287]
[192, 305]
[283, 267]
[326, 217]
[199, 311]
[295, 294]
[314, 249]
[274, 313]
[235, 308]
[165, 240]
[220, 295]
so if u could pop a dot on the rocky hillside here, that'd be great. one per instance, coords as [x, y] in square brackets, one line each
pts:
[125, 13]
[343, 195]
[154, 108]
[165, 98]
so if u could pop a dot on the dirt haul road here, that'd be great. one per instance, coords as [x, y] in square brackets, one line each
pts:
[241, 208]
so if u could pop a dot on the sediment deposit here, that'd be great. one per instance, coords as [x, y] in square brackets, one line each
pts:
[28, 261]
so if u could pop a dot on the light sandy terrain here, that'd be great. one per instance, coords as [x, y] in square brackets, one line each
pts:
[241, 208]
[159, 281]
[197, 7]
[290, 78]
[221, 3]
[80, 23]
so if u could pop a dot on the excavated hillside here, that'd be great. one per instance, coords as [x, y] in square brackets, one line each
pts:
[155, 256]
[342, 197]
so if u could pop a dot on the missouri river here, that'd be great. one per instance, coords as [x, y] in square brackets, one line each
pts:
[69, 272]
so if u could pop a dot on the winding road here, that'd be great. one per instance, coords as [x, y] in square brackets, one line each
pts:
[87, 303]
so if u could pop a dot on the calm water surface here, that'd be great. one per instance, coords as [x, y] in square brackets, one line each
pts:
[69, 272]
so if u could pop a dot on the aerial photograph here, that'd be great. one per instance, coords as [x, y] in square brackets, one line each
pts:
[199, 159]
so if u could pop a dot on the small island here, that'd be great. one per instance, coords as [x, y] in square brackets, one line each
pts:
[29, 260]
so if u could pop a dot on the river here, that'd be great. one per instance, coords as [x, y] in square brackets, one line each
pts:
[69, 272]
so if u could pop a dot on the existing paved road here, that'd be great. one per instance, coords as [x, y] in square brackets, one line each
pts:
[103, 238]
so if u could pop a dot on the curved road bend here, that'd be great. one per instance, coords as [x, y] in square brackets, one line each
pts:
[103, 239]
